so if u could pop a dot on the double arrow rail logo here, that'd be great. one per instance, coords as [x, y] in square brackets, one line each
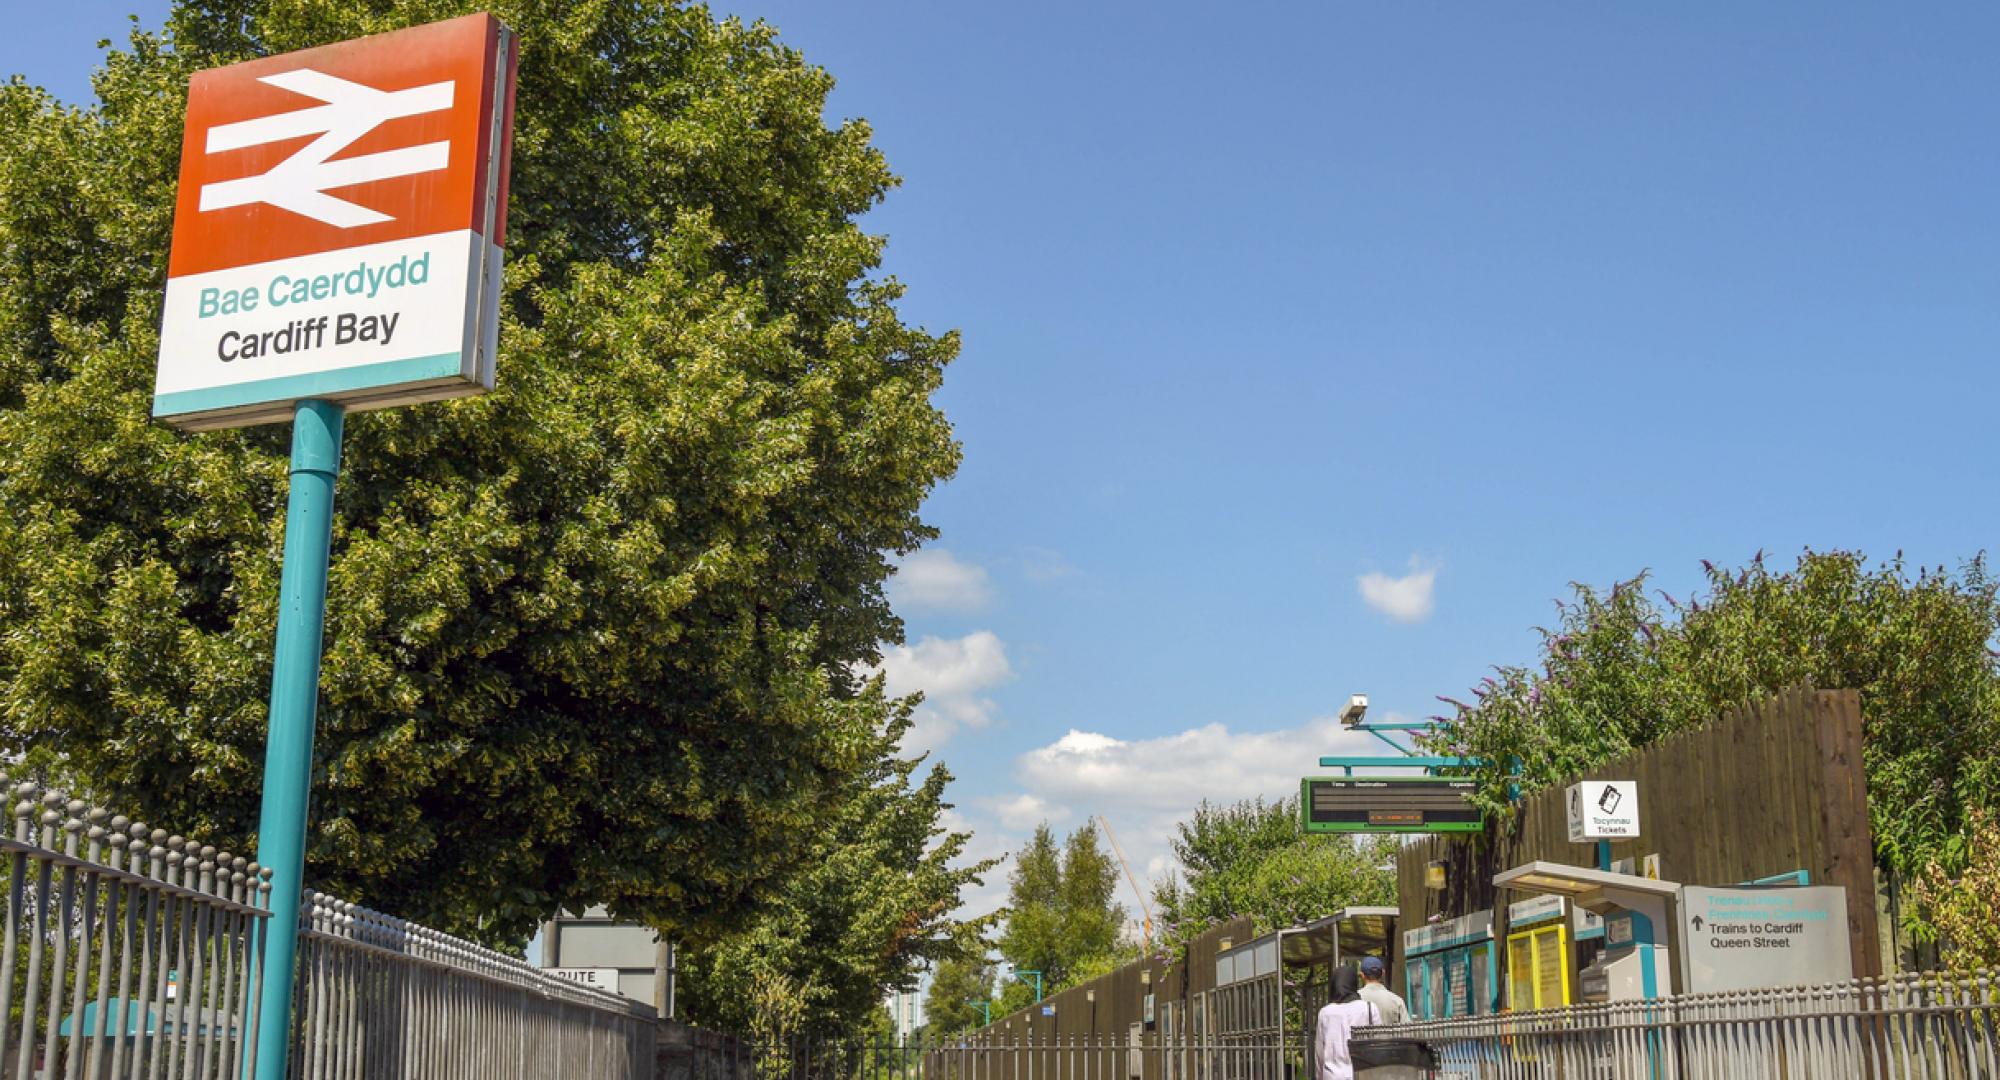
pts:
[300, 182]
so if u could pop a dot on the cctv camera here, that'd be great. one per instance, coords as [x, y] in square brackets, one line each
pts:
[1357, 706]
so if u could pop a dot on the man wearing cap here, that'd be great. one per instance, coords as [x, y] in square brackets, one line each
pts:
[1385, 1000]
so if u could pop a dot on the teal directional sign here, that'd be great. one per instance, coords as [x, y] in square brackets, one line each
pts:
[1748, 938]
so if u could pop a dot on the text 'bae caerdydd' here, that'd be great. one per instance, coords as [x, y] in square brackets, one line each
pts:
[362, 280]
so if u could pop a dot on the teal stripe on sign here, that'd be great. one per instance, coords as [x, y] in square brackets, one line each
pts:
[317, 384]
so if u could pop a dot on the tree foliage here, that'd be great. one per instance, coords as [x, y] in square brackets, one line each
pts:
[1255, 859]
[1620, 670]
[870, 905]
[1961, 896]
[1092, 917]
[591, 638]
[954, 985]
[1061, 912]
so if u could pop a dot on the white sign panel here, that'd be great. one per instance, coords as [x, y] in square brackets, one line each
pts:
[1477, 926]
[1603, 810]
[1534, 910]
[1745, 938]
[605, 979]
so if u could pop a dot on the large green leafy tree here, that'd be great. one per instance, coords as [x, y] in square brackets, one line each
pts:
[1092, 919]
[590, 638]
[1623, 669]
[1254, 858]
[1062, 919]
[872, 903]
[1033, 937]
[956, 983]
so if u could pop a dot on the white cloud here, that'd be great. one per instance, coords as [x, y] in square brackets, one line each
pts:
[934, 579]
[953, 674]
[1147, 786]
[1025, 811]
[1173, 772]
[1404, 599]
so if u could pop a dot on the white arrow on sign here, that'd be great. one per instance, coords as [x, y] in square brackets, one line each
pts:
[300, 182]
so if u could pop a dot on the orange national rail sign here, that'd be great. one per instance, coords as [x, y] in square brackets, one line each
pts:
[339, 227]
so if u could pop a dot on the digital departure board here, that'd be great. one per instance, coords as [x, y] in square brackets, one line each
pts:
[1388, 804]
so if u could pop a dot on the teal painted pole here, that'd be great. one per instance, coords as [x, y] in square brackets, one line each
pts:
[281, 830]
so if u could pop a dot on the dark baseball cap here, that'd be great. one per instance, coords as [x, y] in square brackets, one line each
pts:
[1372, 965]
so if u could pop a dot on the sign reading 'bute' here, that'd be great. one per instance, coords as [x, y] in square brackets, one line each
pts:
[339, 227]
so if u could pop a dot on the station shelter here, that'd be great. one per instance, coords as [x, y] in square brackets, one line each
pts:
[1449, 968]
[1629, 957]
[1268, 991]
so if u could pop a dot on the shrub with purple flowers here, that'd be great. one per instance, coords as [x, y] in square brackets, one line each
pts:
[1619, 671]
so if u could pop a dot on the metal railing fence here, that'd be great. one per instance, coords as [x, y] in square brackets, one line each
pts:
[126, 951]
[982, 1057]
[1907, 1026]
[1911, 1027]
[380, 997]
[1138, 1056]
[129, 954]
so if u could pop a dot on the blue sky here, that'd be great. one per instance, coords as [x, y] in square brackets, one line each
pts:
[1261, 300]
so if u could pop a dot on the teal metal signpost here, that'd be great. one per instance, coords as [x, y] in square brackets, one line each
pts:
[432, 221]
[281, 827]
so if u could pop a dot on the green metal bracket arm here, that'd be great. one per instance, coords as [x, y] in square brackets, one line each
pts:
[1393, 744]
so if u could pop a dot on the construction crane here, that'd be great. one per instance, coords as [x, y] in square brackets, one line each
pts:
[1134, 882]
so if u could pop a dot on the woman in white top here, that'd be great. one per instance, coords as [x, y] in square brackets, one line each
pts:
[1337, 1021]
